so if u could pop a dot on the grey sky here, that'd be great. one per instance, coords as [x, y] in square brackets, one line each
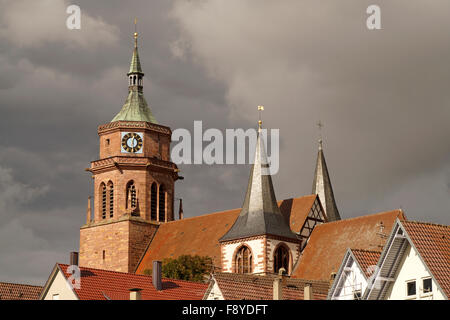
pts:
[382, 95]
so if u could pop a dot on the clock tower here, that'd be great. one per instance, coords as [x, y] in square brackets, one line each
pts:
[133, 183]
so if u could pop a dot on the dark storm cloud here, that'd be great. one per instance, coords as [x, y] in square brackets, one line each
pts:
[383, 97]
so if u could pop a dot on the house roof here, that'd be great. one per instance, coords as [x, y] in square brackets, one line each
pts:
[236, 286]
[200, 235]
[432, 241]
[97, 284]
[366, 258]
[260, 214]
[329, 242]
[17, 291]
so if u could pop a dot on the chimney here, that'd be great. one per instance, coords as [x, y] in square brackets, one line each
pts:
[332, 276]
[180, 212]
[278, 285]
[88, 211]
[135, 294]
[156, 275]
[74, 258]
[308, 293]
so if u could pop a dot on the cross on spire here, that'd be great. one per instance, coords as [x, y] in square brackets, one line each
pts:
[320, 125]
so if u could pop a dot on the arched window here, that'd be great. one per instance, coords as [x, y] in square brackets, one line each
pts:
[281, 259]
[103, 192]
[243, 260]
[162, 203]
[111, 199]
[134, 80]
[153, 201]
[131, 195]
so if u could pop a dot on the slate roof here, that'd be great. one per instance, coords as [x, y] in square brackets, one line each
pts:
[432, 241]
[366, 258]
[260, 214]
[256, 287]
[97, 284]
[329, 242]
[322, 187]
[200, 235]
[17, 291]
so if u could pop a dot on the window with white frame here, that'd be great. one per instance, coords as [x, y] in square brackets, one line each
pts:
[55, 296]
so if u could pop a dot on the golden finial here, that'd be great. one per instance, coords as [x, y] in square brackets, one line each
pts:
[135, 32]
[260, 108]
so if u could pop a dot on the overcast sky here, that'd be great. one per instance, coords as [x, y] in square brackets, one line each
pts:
[383, 95]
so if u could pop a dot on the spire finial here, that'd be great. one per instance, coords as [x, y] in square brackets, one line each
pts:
[320, 126]
[260, 109]
[135, 32]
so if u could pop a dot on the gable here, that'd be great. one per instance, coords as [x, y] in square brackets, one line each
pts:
[200, 235]
[58, 285]
[329, 242]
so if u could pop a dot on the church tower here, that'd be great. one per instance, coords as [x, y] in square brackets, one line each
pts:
[133, 182]
[260, 240]
[322, 187]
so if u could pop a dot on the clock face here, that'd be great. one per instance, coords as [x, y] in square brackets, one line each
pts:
[132, 142]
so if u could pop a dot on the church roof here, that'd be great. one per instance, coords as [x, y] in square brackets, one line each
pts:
[322, 187]
[135, 107]
[235, 286]
[260, 214]
[200, 235]
[98, 284]
[329, 242]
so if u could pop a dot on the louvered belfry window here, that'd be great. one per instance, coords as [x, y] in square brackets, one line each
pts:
[162, 203]
[244, 260]
[131, 194]
[111, 199]
[153, 201]
[281, 259]
[103, 190]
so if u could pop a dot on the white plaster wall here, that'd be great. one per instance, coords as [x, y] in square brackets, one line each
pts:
[412, 268]
[215, 293]
[293, 248]
[60, 286]
[354, 280]
[257, 247]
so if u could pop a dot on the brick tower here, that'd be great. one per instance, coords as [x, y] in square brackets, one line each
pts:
[133, 183]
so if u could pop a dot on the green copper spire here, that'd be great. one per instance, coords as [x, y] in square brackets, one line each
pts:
[135, 107]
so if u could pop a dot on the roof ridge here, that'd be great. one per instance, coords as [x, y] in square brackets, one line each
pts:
[21, 284]
[365, 216]
[372, 251]
[229, 210]
[427, 223]
[132, 274]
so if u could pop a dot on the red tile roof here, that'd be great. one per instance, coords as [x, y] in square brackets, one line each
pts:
[16, 291]
[98, 284]
[329, 242]
[200, 235]
[256, 287]
[433, 243]
[366, 258]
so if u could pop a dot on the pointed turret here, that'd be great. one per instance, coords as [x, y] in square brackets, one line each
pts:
[135, 107]
[322, 187]
[260, 214]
